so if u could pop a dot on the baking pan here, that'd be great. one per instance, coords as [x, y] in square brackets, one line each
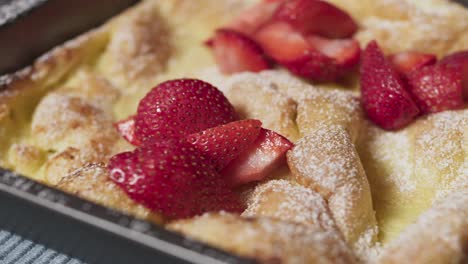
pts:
[29, 28]
[68, 224]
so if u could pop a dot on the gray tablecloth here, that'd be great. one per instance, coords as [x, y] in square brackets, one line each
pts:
[14, 249]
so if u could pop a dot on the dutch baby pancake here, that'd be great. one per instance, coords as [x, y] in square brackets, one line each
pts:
[295, 131]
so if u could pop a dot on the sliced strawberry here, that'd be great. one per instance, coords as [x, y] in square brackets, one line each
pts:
[436, 88]
[346, 52]
[456, 59]
[317, 17]
[263, 156]
[383, 93]
[408, 61]
[224, 143]
[126, 128]
[235, 52]
[315, 66]
[181, 107]
[292, 50]
[250, 20]
[282, 42]
[173, 179]
[459, 61]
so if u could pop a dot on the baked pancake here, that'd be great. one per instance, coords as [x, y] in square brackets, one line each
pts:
[351, 191]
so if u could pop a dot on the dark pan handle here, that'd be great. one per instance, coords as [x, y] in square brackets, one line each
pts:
[30, 28]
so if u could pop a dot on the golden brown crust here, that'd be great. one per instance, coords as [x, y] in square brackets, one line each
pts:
[267, 240]
[328, 109]
[327, 162]
[139, 48]
[27, 158]
[282, 200]
[276, 111]
[91, 182]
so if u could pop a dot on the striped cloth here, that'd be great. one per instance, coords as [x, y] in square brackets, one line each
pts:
[16, 250]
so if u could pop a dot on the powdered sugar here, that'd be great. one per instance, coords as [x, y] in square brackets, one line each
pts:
[385, 146]
[436, 237]
[327, 161]
[283, 200]
[9, 11]
[266, 239]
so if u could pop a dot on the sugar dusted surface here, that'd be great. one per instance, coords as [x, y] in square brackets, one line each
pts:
[285, 201]
[410, 168]
[438, 236]
[327, 162]
[393, 157]
[267, 239]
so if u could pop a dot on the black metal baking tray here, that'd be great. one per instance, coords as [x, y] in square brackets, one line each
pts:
[29, 28]
[68, 224]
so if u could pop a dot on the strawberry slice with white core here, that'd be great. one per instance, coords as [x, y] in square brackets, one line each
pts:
[178, 108]
[459, 61]
[292, 50]
[250, 20]
[236, 52]
[346, 52]
[437, 88]
[316, 17]
[224, 143]
[267, 153]
[126, 128]
[408, 61]
[282, 42]
[384, 95]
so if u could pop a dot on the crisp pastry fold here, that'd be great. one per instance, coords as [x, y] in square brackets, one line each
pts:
[267, 240]
[330, 108]
[91, 182]
[327, 162]
[283, 200]
[276, 111]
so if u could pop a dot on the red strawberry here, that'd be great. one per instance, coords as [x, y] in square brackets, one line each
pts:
[126, 128]
[291, 49]
[436, 88]
[235, 52]
[408, 61]
[282, 42]
[317, 17]
[383, 94]
[181, 107]
[173, 179]
[315, 66]
[459, 61]
[263, 156]
[224, 143]
[456, 59]
[250, 20]
[346, 52]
